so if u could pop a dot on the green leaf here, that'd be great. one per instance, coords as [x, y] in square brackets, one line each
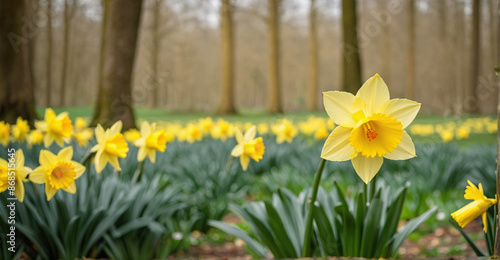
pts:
[255, 246]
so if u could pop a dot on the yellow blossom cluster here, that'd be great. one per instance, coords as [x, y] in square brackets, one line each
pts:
[451, 130]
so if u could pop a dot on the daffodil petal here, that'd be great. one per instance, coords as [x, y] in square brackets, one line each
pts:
[250, 134]
[19, 157]
[403, 110]
[49, 191]
[65, 154]
[375, 92]
[19, 191]
[237, 150]
[47, 158]
[79, 169]
[39, 175]
[152, 156]
[141, 155]
[366, 167]
[116, 128]
[71, 188]
[337, 146]
[485, 223]
[115, 163]
[339, 106]
[99, 134]
[404, 150]
[244, 160]
[145, 129]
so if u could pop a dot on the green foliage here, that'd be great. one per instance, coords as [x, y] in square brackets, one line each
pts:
[363, 225]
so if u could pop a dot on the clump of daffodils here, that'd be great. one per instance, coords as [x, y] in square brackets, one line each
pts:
[20, 174]
[248, 147]
[370, 127]
[151, 140]
[110, 146]
[55, 127]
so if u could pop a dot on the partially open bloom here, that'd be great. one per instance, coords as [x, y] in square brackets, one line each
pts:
[20, 130]
[110, 145]
[35, 137]
[248, 147]
[370, 127]
[57, 172]
[4, 133]
[55, 127]
[472, 210]
[151, 140]
[19, 176]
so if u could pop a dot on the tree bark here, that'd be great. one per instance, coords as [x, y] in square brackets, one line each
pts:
[410, 84]
[155, 53]
[48, 88]
[471, 101]
[313, 56]
[16, 88]
[351, 60]
[64, 68]
[227, 89]
[274, 105]
[120, 42]
[386, 45]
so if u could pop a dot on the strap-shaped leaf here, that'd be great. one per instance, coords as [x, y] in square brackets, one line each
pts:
[255, 246]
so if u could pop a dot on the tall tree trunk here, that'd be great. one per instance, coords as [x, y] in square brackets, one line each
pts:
[459, 55]
[313, 56]
[410, 84]
[64, 68]
[443, 100]
[16, 88]
[155, 53]
[471, 102]
[227, 89]
[48, 88]
[119, 54]
[274, 105]
[351, 61]
[386, 44]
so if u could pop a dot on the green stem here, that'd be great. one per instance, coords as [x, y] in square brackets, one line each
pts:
[372, 187]
[87, 162]
[306, 249]
[229, 163]
[35, 188]
[138, 172]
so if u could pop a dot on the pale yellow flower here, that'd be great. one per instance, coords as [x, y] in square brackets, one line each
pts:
[34, 137]
[151, 140]
[222, 130]
[55, 127]
[57, 172]
[284, 131]
[19, 176]
[248, 147]
[193, 133]
[110, 146]
[4, 133]
[83, 136]
[370, 127]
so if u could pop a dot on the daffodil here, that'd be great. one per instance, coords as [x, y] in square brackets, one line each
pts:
[248, 147]
[19, 176]
[263, 128]
[370, 127]
[132, 135]
[20, 130]
[55, 127]
[57, 172]
[192, 133]
[4, 133]
[151, 140]
[34, 137]
[110, 145]
[472, 210]
[83, 136]
[284, 131]
[222, 130]
[206, 124]
[80, 123]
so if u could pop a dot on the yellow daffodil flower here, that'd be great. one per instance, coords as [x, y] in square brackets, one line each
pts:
[206, 124]
[151, 140]
[83, 136]
[20, 175]
[192, 133]
[370, 127]
[20, 130]
[55, 127]
[472, 210]
[4, 133]
[80, 124]
[248, 147]
[57, 172]
[222, 130]
[132, 135]
[446, 135]
[34, 137]
[110, 145]
[284, 131]
[263, 128]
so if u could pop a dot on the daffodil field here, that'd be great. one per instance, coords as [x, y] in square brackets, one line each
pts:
[156, 191]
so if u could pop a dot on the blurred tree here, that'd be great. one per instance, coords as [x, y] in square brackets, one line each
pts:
[313, 56]
[69, 11]
[471, 101]
[410, 84]
[351, 61]
[48, 69]
[114, 101]
[459, 56]
[16, 82]
[227, 43]
[386, 43]
[274, 105]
